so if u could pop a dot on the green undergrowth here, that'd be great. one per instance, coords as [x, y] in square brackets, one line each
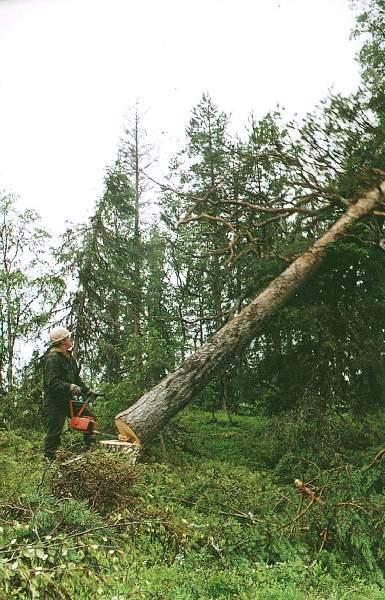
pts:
[211, 511]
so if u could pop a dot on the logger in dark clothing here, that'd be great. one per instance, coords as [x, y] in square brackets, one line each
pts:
[62, 382]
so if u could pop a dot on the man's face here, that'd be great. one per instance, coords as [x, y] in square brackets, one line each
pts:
[68, 343]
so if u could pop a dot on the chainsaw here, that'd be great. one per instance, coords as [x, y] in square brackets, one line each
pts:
[86, 423]
[79, 421]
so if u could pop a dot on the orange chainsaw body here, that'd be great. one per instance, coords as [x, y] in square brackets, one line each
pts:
[80, 422]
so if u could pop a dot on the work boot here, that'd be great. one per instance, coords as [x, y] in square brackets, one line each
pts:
[89, 447]
[89, 442]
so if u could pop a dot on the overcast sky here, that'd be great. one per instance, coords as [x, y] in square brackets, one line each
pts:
[70, 70]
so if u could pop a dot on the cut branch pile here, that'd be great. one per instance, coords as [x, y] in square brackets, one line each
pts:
[102, 479]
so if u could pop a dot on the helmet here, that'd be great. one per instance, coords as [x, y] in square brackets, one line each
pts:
[57, 334]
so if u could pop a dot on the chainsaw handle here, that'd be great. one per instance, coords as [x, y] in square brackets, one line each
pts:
[77, 407]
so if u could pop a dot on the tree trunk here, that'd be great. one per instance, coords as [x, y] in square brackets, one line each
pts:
[137, 253]
[155, 408]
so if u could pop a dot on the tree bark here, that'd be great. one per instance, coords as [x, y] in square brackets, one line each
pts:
[155, 408]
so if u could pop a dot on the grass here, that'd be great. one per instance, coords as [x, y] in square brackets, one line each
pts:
[211, 515]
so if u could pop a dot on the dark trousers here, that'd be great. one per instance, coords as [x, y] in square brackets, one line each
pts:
[56, 416]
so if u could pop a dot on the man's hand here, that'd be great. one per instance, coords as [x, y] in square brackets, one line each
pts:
[75, 390]
[92, 394]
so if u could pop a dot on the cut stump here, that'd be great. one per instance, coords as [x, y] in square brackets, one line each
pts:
[131, 451]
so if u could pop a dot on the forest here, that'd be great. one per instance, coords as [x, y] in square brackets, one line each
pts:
[231, 314]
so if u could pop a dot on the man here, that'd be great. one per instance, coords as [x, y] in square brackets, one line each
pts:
[62, 383]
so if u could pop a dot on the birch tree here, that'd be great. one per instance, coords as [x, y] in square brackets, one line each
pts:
[29, 289]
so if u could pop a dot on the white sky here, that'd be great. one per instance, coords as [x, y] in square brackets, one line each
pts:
[70, 70]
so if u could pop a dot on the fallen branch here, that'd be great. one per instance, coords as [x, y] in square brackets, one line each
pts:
[306, 491]
[378, 458]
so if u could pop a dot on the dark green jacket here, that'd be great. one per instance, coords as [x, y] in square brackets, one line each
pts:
[60, 371]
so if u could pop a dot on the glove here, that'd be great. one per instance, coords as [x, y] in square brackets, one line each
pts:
[75, 390]
[94, 394]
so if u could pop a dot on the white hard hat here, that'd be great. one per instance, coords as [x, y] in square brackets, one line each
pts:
[57, 334]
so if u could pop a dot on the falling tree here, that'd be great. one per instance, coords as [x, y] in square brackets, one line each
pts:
[149, 414]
